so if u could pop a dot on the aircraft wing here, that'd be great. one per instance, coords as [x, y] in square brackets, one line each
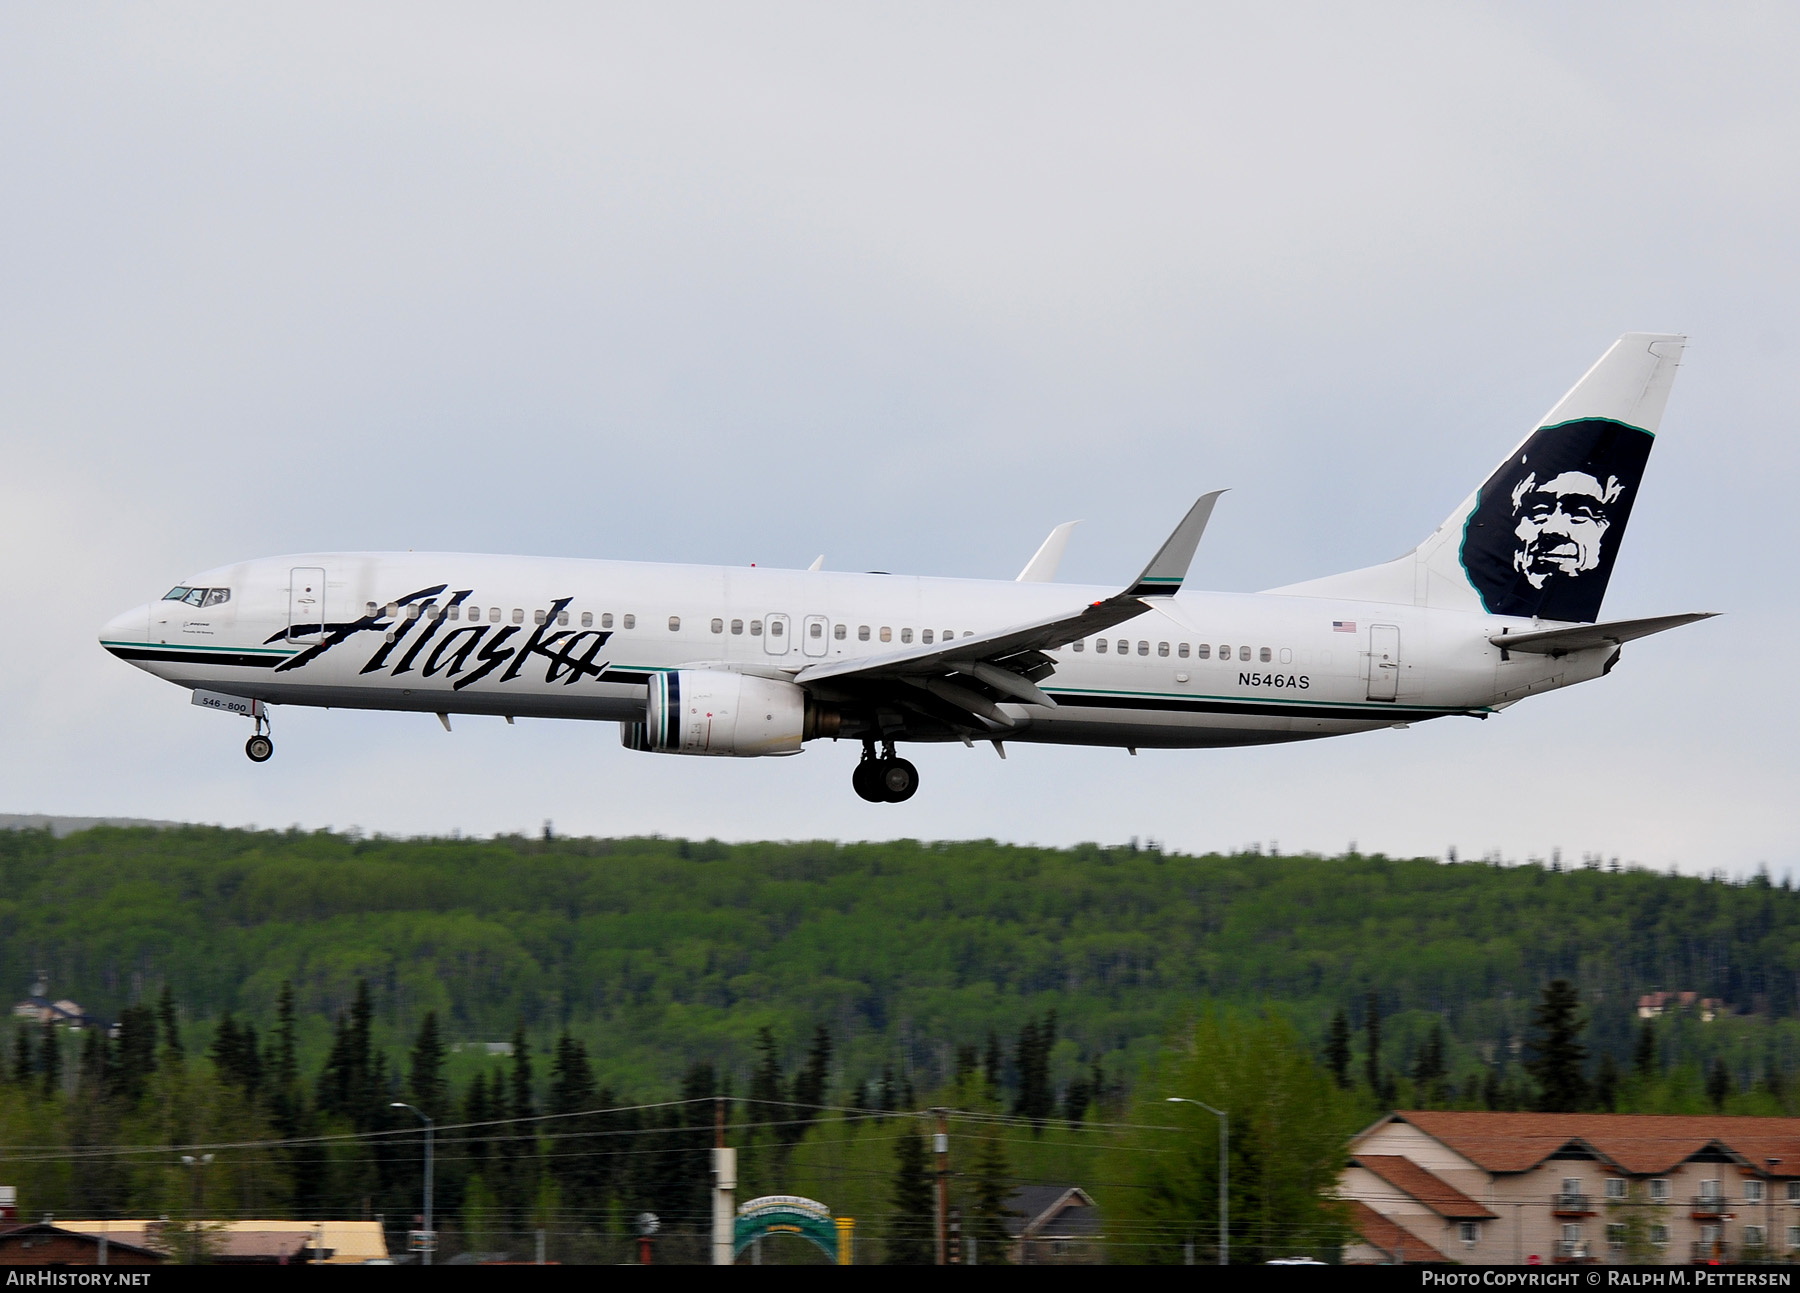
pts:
[1583, 637]
[969, 673]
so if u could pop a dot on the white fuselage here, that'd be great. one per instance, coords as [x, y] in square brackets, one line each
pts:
[560, 638]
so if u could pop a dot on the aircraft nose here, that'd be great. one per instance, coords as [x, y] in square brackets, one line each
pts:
[133, 626]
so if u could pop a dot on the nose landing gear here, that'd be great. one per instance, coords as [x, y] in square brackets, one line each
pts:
[260, 747]
[888, 779]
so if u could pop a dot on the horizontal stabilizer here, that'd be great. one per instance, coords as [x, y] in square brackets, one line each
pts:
[1585, 637]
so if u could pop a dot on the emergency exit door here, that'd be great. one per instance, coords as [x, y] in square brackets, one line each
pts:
[1384, 661]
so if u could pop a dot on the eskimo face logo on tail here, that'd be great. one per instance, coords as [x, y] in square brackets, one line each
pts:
[1547, 524]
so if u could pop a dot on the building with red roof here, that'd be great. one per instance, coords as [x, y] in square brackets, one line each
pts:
[1574, 1187]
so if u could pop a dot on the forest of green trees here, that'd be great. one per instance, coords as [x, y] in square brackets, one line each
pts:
[275, 993]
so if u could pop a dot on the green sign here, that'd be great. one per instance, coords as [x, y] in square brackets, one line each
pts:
[785, 1214]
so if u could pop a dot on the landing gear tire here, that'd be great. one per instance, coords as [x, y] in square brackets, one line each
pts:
[899, 780]
[866, 780]
[259, 748]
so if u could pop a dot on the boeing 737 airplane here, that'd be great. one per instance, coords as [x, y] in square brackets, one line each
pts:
[1499, 603]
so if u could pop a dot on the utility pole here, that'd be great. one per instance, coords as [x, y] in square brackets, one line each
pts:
[429, 1239]
[940, 1146]
[724, 1189]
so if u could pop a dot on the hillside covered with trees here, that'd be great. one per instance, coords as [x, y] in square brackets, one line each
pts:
[658, 953]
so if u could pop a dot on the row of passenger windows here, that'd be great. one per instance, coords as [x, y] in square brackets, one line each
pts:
[1183, 650]
[815, 628]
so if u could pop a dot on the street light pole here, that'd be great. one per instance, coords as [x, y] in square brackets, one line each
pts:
[430, 1128]
[1224, 1173]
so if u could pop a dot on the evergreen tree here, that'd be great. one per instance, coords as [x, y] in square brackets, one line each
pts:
[1718, 1085]
[286, 1066]
[1562, 1087]
[887, 1099]
[134, 1051]
[477, 1114]
[1076, 1101]
[1372, 1061]
[22, 1065]
[426, 1077]
[1644, 1056]
[171, 1027]
[990, 1064]
[912, 1239]
[50, 1059]
[1035, 1099]
[810, 1083]
[990, 1187]
[768, 1100]
[1337, 1049]
[968, 1062]
[1430, 1069]
[1606, 1084]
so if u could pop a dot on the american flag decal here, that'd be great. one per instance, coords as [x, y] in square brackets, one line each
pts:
[1343, 626]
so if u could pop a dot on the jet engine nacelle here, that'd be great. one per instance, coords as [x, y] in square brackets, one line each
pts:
[715, 711]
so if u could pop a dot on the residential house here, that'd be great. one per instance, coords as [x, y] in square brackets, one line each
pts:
[1504, 1188]
[1053, 1225]
[49, 1245]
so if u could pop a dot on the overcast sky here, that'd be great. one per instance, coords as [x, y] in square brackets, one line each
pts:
[906, 285]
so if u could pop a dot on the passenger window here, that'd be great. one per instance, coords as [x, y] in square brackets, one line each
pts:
[453, 611]
[948, 634]
[587, 619]
[1243, 653]
[606, 619]
[839, 632]
[562, 619]
[1182, 650]
[1100, 645]
[1203, 651]
[674, 623]
[925, 637]
[1124, 647]
[1287, 656]
[1076, 645]
[862, 633]
[718, 626]
[371, 607]
[493, 615]
[755, 628]
[518, 615]
[737, 627]
[775, 628]
[1265, 655]
[217, 596]
[434, 612]
[906, 635]
[1224, 652]
[631, 621]
[815, 629]
[538, 617]
[1162, 648]
[1143, 648]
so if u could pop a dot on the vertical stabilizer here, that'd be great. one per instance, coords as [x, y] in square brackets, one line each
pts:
[1540, 535]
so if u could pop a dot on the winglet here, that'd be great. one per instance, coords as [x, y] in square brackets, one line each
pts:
[1163, 576]
[1041, 569]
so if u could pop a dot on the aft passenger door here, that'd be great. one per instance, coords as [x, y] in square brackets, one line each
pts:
[1384, 661]
[306, 603]
[775, 634]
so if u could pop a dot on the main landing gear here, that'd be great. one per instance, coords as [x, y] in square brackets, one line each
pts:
[260, 747]
[888, 779]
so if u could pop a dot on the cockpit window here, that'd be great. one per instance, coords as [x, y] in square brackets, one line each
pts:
[198, 596]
